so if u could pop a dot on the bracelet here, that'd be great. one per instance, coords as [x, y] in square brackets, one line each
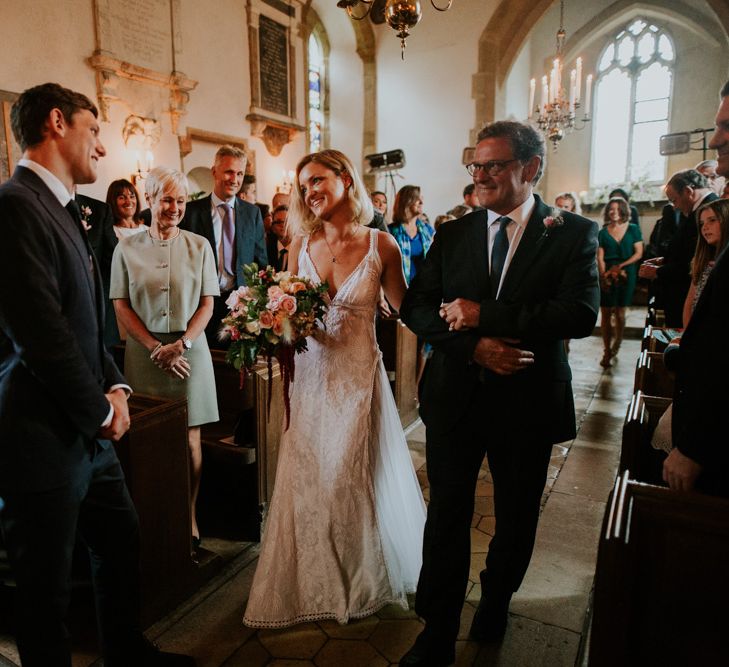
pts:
[153, 352]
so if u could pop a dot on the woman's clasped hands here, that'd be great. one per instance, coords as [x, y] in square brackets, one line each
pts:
[171, 359]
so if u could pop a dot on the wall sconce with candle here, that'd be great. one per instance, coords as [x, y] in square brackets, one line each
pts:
[288, 182]
[140, 136]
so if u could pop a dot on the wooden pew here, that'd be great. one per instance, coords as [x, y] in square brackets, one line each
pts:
[651, 376]
[155, 458]
[656, 339]
[399, 348]
[637, 455]
[238, 478]
[661, 583]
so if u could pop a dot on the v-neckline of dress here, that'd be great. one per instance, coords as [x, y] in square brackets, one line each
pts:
[348, 278]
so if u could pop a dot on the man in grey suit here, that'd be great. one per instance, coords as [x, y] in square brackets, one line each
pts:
[62, 399]
[233, 227]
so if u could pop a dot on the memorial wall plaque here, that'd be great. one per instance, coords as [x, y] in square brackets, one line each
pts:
[274, 66]
[137, 32]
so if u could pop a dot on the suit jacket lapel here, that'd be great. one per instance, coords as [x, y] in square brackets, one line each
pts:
[479, 248]
[529, 245]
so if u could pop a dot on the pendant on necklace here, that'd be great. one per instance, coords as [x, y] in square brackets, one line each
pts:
[334, 260]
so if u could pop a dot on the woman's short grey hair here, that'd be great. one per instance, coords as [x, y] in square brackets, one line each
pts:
[163, 178]
[526, 141]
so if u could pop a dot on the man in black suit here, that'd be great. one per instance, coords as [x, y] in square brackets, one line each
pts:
[700, 457]
[233, 227]
[686, 191]
[278, 239]
[496, 296]
[62, 399]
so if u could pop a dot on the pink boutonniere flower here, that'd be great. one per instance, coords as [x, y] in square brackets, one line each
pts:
[551, 222]
[85, 217]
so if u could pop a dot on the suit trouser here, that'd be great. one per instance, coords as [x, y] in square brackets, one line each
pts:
[518, 462]
[40, 531]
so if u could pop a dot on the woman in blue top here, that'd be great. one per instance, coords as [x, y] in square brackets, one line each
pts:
[620, 247]
[412, 234]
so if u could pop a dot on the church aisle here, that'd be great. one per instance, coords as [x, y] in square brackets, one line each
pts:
[547, 616]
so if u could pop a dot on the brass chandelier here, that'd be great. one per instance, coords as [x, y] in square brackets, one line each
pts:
[401, 15]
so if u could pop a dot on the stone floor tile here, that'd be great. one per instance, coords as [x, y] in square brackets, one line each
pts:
[603, 428]
[301, 641]
[611, 407]
[357, 629]
[395, 611]
[474, 592]
[479, 540]
[467, 614]
[251, 654]
[484, 506]
[487, 525]
[531, 644]
[484, 487]
[349, 652]
[589, 471]
[393, 638]
[466, 652]
[289, 663]
[478, 562]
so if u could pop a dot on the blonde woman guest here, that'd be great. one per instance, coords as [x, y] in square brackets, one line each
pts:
[345, 528]
[619, 251]
[163, 283]
[568, 201]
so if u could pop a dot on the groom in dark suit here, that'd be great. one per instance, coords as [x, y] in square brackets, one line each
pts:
[233, 227]
[62, 399]
[496, 296]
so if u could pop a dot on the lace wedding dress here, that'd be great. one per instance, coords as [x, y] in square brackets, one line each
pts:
[345, 527]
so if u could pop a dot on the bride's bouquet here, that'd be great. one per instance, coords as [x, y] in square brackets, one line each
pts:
[271, 317]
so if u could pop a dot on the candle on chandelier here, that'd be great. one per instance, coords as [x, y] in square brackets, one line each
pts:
[532, 89]
[578, 89]
[545, 95]
[573, 89]
[588, 92]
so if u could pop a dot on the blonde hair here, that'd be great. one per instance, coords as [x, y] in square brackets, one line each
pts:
[229, 151]
[163, 178]
[302, 220]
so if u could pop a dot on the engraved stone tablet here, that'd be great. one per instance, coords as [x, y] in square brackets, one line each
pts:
[274, 66]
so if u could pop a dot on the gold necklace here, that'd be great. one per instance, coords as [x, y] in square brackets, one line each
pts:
[344, 243]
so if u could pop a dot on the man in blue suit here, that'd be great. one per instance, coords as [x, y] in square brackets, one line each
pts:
[62, 398]
[233, 227]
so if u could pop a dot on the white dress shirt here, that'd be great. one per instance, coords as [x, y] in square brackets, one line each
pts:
[59, 191]
[514, 230]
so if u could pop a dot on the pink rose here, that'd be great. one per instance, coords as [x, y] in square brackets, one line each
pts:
[288, 304]
[275, 292]
[265, 319]
[273, 305]
[244, 292]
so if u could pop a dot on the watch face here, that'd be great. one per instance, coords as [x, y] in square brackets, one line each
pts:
[186, 343]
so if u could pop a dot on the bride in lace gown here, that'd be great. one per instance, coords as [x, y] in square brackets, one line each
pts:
[344, 532]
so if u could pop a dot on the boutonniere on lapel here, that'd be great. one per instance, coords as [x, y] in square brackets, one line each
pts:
[551, 222]
[85, 217]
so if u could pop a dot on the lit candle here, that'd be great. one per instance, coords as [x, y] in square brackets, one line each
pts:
[573, 88]
[291, 176]
[551, 86]
[588, 93]
[558, 79]
[578, 90]
[545, 95]
[138, 159]
[532, 89]
[150, 160]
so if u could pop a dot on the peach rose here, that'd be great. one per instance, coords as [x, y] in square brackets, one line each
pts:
[288, 304]
[298, 287]
[265, 319]
[275, 292]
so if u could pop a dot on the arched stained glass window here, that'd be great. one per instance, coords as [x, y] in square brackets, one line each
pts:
[631, 106]
[315, 94]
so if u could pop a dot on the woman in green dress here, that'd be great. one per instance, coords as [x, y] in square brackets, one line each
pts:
[163, 282]
[620, 247]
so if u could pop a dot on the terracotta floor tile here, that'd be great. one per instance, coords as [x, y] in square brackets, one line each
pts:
[251, 654]
[359, 629]
[393, 638]
[349, 653]
[487, 525]
[301, 641]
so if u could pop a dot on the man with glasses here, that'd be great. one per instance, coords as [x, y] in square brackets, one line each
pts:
[496, 296]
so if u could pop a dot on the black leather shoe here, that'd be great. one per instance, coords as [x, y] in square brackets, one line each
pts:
[152, 656]
[428, 653]
[489, 622]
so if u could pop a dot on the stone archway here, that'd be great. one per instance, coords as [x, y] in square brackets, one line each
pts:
[509, 27]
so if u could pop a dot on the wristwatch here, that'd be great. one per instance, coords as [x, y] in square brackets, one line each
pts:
[186, 343]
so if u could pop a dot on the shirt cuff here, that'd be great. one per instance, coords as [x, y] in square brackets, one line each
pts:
[127, 390]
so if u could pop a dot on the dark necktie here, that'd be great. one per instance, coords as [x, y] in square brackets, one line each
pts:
[282, 259]
[498, 254]
[228, 238]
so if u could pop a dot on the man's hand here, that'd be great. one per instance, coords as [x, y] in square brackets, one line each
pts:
[649, 268]
[461, 314]
[499, 355]
[680, 471]
[120, 420]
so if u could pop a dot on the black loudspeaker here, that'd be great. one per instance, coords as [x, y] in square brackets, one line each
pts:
[388, 161]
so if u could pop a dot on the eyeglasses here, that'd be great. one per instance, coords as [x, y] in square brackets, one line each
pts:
[492, 167]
